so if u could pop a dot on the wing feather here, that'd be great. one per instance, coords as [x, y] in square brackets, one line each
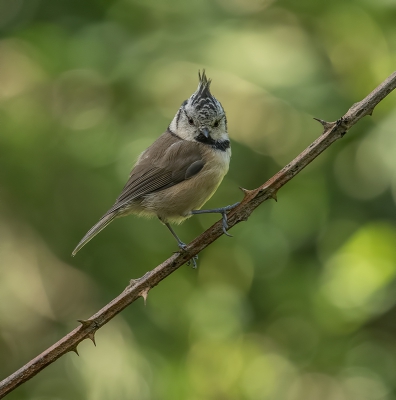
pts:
[167, 162]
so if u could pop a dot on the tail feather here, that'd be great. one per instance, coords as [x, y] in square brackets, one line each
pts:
[103, 222]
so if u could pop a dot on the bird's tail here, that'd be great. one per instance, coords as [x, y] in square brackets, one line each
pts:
[103, 222]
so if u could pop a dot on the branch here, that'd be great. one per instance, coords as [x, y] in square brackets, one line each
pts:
[252, 199]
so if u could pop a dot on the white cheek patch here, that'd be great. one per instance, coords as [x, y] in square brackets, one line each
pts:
[172, 126]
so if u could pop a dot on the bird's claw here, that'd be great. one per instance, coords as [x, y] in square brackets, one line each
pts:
[224, 215]
[183, 247]
[224, 223]
[194, 262]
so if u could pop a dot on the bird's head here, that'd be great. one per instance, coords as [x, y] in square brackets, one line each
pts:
[201, 117]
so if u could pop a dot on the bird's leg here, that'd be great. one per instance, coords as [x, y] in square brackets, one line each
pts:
[182, 245]
[179, 242]
[223, 211]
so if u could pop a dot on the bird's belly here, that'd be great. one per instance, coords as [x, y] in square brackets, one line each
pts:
[175, 203]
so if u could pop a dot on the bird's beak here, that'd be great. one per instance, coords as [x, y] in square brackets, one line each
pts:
[205, 132]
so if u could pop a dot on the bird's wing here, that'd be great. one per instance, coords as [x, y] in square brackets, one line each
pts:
[167, 162]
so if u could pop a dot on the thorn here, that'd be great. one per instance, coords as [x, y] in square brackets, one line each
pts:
[246, 192]
[371, 112]
[85, 323]
[326, 125]
[75, 350]
[274, 196]
[91, 336]
[133, 282]
[144, 294]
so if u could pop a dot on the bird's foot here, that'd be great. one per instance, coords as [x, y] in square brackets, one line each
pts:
[223, 211]
[193, 261]
[182, 245]
[225, 223]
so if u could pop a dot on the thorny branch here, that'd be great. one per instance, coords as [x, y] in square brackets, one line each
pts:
[252, 199]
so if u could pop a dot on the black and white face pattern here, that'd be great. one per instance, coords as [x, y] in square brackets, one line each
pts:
[202, 118]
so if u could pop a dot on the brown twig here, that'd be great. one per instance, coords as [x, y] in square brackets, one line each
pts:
[252, 199]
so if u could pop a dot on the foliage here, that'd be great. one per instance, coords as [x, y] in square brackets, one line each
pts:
[300, 303]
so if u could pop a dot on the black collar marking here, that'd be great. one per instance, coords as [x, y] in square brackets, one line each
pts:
[216, 144]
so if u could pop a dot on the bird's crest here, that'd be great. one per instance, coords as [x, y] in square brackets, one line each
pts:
[202, 99]
[204, 85]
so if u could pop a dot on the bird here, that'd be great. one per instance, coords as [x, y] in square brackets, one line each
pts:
[175, 176]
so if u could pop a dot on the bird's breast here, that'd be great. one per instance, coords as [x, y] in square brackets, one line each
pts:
[175, 203]
[205, 183]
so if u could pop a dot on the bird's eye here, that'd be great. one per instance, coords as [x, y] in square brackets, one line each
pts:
[191, 121]
[216, 124]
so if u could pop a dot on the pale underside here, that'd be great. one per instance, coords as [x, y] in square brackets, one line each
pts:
[168, 191]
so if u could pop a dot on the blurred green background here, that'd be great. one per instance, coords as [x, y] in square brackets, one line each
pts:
[301, 303]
